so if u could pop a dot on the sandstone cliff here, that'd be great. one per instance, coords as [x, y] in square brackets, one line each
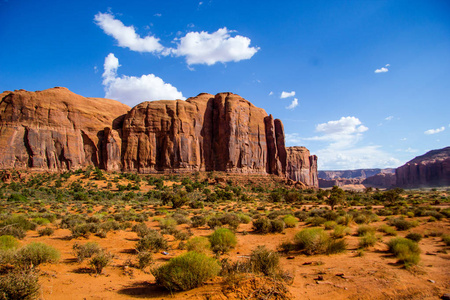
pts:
[429, 170]
[54, 129]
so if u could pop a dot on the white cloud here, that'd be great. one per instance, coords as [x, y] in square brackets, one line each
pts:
[293, 104]
[126, 36]
[287, 94]
[197, 47]
[210, 48]
[381, 70]
[434, 131]
[342, 149]
[133, 90]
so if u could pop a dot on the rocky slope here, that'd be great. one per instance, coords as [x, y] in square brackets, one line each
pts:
[429, 170]
[56, 129]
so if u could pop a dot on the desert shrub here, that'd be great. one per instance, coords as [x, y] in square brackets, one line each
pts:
[46, 231]
[198, 221]
[446, 239]
[262, 225]
[364, 229]
[340, 231]
[389, 230]
[414, 236]
[14, 231]
[186, 271]
[86, 251]
[311, 241]
[100, 261]
[407, 251]
[153, 241]
[367, 240]
[35, 254]
[20, 284]
[145, 259]
[198, 244]
[329, 225]
[316, 221]
[8, 242]
[276, 226]
[264, 261]
[401, 224]
[222, 240]
[290, 221]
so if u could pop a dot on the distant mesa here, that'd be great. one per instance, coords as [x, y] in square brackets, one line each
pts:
[56, 129]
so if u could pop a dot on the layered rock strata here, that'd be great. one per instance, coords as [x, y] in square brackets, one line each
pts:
[56, 129]
[429, 170]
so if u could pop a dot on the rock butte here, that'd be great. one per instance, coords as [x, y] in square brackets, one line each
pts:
[56, 129]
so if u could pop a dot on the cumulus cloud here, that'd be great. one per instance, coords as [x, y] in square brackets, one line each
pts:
[293, 104]
[210, 48]
[383, 69]
[126, 36]
[197, 47]
[287, 94]
[340, 147]
[133, 90]
[434, 131]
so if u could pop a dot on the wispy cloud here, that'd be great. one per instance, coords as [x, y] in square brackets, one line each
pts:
[287, 94]
[434, 131]
[126, 36]
[383, 69]
[293, 104]
[342, 148]
[133, 90]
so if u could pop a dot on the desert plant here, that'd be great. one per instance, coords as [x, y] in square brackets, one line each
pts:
[264, 261]
[153, 241]
[145, 258]
[35, 254]
[198, 244]
[367, 240]
[100, 261]
[19, 284]
[86, 251]
[414, 236]
[406, 250]
[222, 240]
[186, 272]
[8, 242]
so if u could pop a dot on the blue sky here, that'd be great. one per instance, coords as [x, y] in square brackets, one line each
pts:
[371, 78]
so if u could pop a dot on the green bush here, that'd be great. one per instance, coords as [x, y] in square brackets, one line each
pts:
[367, 240]
[264, 261]
[364, 229]
[198, 244]
[20, 284]
[86, 251]
[406, 250]
[153, 241]
[416, 237]
[8, 242]
[186, 272]
[35, 254]
[222, 240]
[311, 241]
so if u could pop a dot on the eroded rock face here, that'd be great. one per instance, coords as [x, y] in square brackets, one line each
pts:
[56, 129]
[53, 129]
[301, 166]
[429, 170]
